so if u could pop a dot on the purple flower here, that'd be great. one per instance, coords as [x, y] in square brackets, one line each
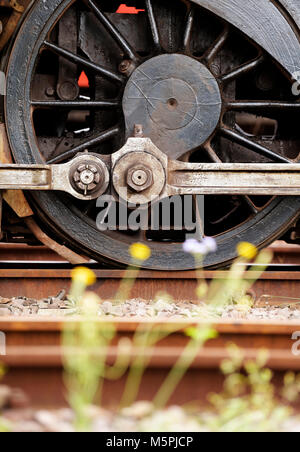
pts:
[190, 245]
[210, 244]
[193, 246]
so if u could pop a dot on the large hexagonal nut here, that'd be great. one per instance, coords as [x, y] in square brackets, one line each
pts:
[139, 178]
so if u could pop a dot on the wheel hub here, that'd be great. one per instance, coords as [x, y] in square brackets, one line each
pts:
[177, 101]
[173, 104]
[138, 183]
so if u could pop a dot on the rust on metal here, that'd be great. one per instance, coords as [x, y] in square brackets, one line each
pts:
[37, 367]
[88, 178]
[21, 251]
[85, 178]
[14, 198]
[182, 83]
[10, 25]
[180, 285]
[62, 250]
[12, 4]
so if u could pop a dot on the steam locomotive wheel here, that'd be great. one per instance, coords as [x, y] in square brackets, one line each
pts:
[247, 113]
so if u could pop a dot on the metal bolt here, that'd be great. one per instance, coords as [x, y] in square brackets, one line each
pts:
[68, 90]
[139, 178]
[50, 91]
[127, 67]
[124, 66]
[87, 178]
[138, 131]
[264, 81]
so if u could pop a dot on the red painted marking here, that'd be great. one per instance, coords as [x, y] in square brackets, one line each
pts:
[83, 81]
[124, 9]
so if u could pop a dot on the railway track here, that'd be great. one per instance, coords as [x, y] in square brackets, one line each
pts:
[60, 117]
[283, 253]
[40, 282]
[34, 358]
[34, 354]
[25, 271]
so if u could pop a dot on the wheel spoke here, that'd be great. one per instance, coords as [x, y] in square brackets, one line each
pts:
[153, 25]
[217, 46]
[89, 208]
[84, 62]
[242, 70]
[86, 104]
[199, 218]
[261, 105]
[112, 30]
[252, 145]
[212, 154]
[141, 234]
[250, 204]
[216, 159]
[188, 30]
[104, 136]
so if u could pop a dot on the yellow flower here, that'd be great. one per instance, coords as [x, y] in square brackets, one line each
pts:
[140, 252]
[84, 275]
[247, 250]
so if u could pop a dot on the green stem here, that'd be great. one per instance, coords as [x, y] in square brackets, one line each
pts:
[127, 284]
[177, 373]
[200, 274]
[118, 370]
[137, 368]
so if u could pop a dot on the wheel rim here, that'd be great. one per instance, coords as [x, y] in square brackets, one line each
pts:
[261, 227]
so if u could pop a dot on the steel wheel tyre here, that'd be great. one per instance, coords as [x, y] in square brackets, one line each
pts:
[266, 221]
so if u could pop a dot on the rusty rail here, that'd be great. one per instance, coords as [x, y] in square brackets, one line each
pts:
[34, 358]
[41, 282]
[34, 355]
[283, 253]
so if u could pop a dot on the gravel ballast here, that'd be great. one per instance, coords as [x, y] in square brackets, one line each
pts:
[140, 417]
[141, 309]
[185, 310]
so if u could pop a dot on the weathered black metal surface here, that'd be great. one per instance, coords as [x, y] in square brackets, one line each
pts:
[293, 8]
[263, 22]
[236, 63]
[176, 99]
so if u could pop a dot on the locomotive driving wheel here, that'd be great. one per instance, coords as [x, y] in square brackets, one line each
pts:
[81, 75]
